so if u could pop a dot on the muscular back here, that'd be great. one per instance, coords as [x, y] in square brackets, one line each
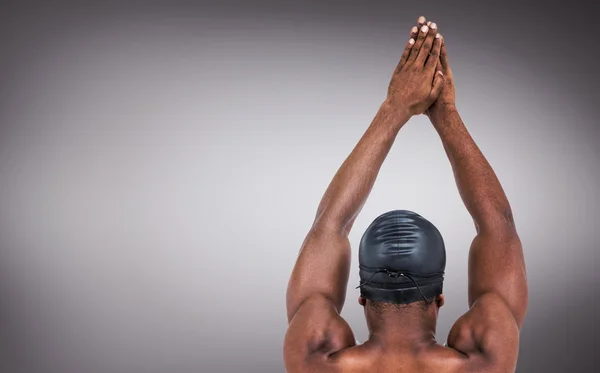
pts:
[485, 339]
[367, 358]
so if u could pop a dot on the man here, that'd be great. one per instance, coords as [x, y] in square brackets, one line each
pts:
[402, 255]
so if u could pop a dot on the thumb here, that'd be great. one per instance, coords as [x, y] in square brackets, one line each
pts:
[438, 83]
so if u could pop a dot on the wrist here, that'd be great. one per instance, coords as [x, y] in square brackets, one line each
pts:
[440, 113]
[394, 113]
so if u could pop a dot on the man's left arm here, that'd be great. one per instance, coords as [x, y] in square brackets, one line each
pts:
[323, 264]
[317, 287]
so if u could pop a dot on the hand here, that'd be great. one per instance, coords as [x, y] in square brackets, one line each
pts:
[447, 98]
[411, 86]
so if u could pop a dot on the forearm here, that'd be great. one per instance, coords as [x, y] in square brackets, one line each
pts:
[477, 183]
[351, 185]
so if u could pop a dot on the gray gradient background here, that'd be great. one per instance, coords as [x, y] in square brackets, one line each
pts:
[160, 165]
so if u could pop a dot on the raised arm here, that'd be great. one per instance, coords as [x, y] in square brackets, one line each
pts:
[497, 281]
[317, 287]
[323, 264]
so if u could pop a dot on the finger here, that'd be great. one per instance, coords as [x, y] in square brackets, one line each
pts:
[438, 83]
[427, 45]
[407, 49]
[421, 21]
[439, 68]
[434, 55]
[405, 54]
[414, 52]
[414, 32]
[443, 55]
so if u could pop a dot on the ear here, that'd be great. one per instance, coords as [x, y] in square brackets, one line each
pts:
[440, 300]
[362, 301]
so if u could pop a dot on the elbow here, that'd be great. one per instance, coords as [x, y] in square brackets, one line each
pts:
[496, 220]
[332, 223]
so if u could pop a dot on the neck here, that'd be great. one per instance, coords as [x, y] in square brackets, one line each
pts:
[409, 327]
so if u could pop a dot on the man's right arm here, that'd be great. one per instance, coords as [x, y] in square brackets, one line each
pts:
[496, 263]
[489, 332]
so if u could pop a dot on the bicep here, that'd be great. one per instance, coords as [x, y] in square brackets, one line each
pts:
[322, 267]
[315, 334]
[496, 265]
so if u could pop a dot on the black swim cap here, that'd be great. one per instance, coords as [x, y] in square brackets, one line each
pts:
[402, 259]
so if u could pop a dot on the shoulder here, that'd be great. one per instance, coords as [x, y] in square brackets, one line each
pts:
[315, 335]
[487, 334]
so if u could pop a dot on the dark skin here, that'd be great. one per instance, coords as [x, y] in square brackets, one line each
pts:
[486, 337]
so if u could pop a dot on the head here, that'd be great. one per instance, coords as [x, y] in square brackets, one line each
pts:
[402, 261]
